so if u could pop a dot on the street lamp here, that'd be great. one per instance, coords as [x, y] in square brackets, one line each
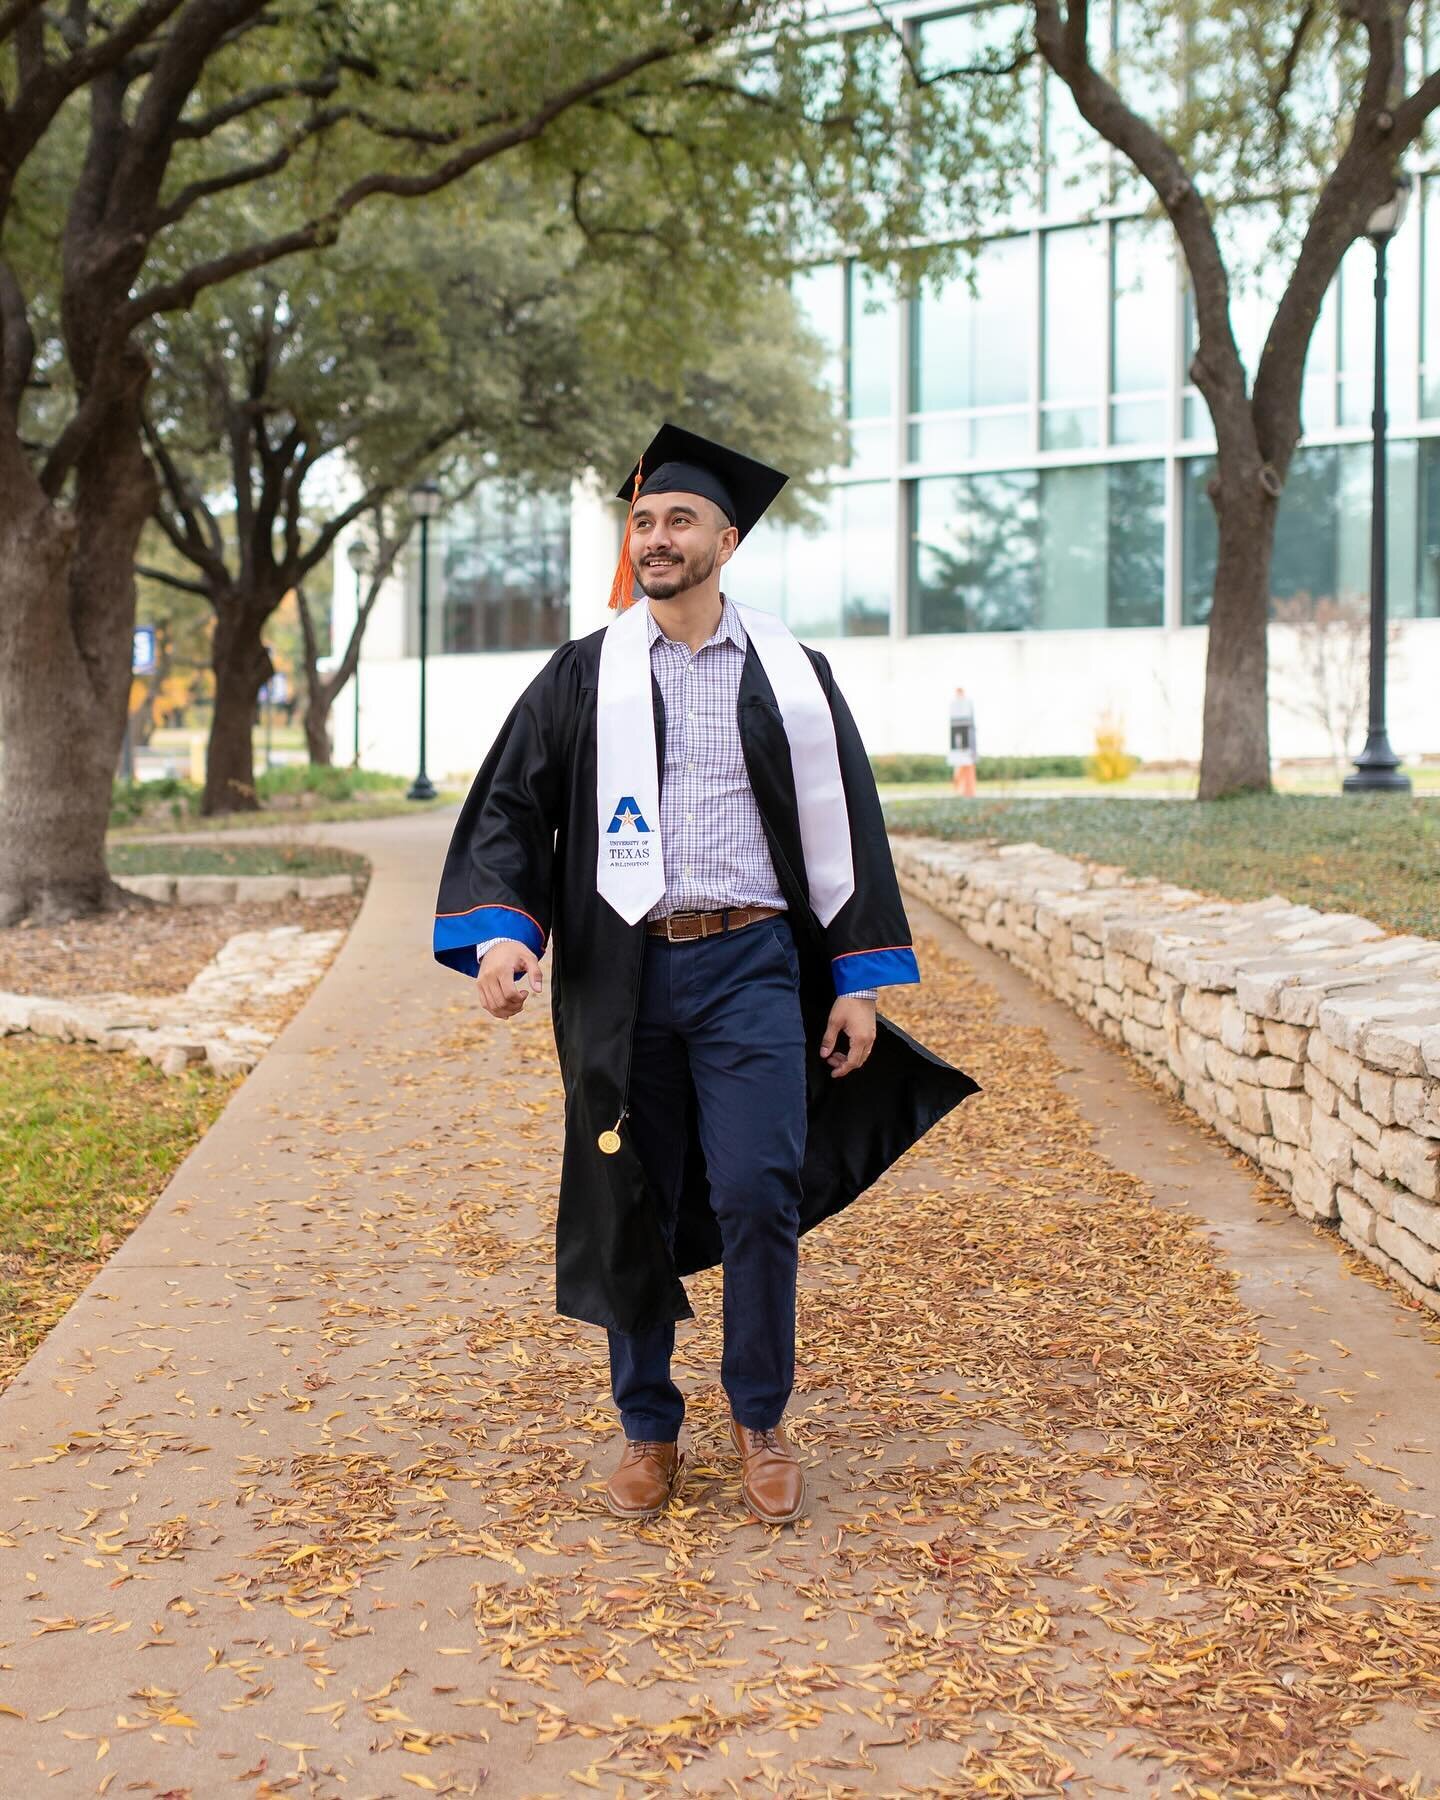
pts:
[359, 557]
[1377, 767]
[424, 503]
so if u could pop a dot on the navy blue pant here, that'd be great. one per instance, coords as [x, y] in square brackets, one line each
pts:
[722, 1013]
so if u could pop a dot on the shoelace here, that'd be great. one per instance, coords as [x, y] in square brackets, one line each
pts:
[642, 1450]
[766, 1440]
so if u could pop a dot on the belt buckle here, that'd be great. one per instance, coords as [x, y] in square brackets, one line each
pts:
[689, 937]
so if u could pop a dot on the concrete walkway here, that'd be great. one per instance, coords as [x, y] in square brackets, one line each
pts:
[1124, 1480]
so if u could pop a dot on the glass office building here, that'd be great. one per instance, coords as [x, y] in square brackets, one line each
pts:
[1026, 453]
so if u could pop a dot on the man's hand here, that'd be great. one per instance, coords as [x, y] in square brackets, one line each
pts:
[856, 1018]
[500, 992]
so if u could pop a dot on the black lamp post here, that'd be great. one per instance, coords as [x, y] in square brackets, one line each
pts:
[358, 555]
[1377, 767]
[424, 503]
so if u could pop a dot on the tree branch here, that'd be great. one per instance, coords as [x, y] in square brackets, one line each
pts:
[177, 295]
[1217, 369]
[175, 581]
[17, 342]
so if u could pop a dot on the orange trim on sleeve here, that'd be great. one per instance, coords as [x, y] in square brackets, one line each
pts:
[495, 906]
[873, 951]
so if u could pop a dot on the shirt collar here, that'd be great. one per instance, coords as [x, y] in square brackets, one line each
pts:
[728, 631]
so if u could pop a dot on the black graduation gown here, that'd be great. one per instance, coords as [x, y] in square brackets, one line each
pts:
[522, 863]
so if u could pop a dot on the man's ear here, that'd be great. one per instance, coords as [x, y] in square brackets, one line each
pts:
[729, 544]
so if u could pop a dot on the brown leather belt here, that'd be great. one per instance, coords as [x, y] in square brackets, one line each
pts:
[687, 927]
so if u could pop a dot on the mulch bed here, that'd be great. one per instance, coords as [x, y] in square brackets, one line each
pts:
[147, 950]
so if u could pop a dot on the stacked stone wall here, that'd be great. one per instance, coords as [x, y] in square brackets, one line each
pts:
[1310, 1041]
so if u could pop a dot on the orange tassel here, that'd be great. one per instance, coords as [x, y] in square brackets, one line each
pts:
[622, 585]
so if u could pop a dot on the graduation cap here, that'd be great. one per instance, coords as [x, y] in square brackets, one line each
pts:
[677, 461]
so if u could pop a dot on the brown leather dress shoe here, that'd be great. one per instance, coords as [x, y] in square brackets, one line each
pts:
[771, 1479]
[645, 1482]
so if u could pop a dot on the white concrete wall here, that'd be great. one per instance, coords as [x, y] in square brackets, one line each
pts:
[1035, 693]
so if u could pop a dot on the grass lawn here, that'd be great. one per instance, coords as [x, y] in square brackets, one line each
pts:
[232, 859]
[1377, 856]
[87, 1141]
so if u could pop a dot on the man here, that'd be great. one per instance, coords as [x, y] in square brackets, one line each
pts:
[684, 798]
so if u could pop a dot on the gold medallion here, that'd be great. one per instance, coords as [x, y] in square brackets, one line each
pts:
[609, 1142]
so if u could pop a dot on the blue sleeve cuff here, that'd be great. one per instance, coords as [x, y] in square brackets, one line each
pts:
[892, 967]
[457, 934]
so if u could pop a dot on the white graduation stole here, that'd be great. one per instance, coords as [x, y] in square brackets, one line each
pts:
[630, 868]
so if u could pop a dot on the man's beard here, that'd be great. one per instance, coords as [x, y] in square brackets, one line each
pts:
[673, 579]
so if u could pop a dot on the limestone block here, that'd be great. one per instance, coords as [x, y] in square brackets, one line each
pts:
[1377, 1194]
[1148, 1011]
[1331, 1144]
[1419, 1217]
[264, 889]
[1419, 1259]
[15, 1011]
[204, 890]
[1277, 1159]
[1430, 1051]
[1312, 1188]
[1417, 1105]
[1324, 1093]
[1254, 1114]
[1360, 1122]
[229, 1059]
[1108, 1001]
[1203, 1012]
[1222, 1064]
[148, 887]
[1289, 1041]
[1238, 1031]
[1244, 1141]
[1227, 1103]
[1289, 1116]
[1336, 1065]
[1367, 1157]
[51, 1019]
[1355, 1214]
[1406, 1157]
[1278, 1072]
[1377, 1096]
[1395, 1047]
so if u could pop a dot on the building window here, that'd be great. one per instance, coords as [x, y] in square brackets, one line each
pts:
[504, 572]
[1141, 320]
[988, 37]
[873, 346]
[1073, 361]
[971, 380]
[1039, 550]
[1430, 291]
[835, 579]
[1428, 597]
[1322, 532]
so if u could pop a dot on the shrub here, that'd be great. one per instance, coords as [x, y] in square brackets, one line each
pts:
[132, 801]
[1029, 768]
[915, 768]
[909, 768]
[321, 781]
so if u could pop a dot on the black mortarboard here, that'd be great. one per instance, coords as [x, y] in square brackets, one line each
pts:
[679, 461]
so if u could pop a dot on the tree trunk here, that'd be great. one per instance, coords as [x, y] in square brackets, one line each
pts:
[1235, 754]
[317, 723]
[67, 609]
[242, 667]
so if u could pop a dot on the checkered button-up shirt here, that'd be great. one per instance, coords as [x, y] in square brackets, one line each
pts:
[710, 827]
[714, 842]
